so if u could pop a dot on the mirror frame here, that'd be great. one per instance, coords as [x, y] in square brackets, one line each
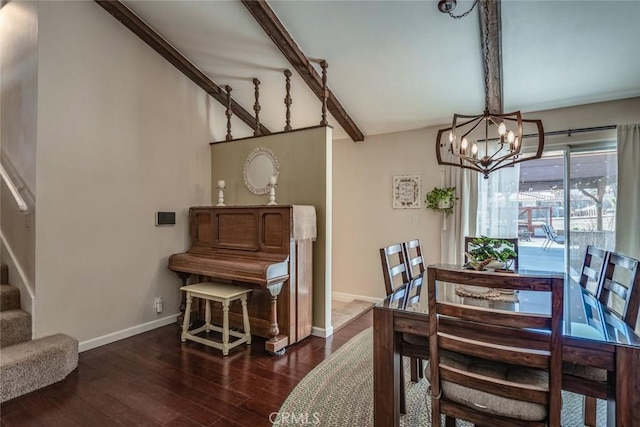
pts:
[260, 151]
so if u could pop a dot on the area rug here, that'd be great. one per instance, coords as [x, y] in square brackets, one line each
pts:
[343, 312]
[339, 392]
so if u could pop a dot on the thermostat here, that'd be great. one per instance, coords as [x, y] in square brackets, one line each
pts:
[165, 218]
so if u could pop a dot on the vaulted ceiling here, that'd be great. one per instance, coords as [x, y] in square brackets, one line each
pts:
[399, 65]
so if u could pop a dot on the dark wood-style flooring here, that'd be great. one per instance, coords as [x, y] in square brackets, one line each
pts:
[152, 379]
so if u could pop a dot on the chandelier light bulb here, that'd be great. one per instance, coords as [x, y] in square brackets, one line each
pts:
[511, 136]
[474, 149]
[502, 129]
[451, 136]
[516, 143]
[464, 144]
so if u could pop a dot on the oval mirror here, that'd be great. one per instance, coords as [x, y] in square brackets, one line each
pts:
[260, 165]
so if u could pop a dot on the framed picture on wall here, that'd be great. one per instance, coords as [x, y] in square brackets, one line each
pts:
[406, 192]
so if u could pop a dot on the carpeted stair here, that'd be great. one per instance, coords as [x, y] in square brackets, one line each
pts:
[25, 364]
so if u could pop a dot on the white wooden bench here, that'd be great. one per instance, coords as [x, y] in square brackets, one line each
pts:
[224, 294]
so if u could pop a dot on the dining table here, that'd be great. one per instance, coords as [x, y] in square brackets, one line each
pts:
[592, 336]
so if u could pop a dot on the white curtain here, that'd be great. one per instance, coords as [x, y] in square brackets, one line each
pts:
[498, 203]
[628, 199]
[462, 222]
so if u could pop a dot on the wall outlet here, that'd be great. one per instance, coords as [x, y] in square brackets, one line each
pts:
[158, 305]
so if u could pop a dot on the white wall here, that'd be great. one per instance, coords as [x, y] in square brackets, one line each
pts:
[122, 134]
[18, 136]
[363, 219]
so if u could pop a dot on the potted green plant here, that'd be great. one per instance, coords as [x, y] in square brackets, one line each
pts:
[441, 199]
[484, 248]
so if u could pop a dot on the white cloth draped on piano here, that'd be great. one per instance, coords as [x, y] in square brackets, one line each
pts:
[304, 222]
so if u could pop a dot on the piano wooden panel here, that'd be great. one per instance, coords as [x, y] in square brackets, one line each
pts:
[255, 246]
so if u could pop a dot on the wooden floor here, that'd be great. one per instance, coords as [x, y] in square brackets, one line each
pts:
[152, 379]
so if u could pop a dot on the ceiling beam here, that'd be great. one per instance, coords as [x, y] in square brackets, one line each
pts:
[489, 13]
[130, 20]
[281, 37]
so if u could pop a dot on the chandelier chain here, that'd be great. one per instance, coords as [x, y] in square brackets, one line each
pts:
[485, 55]
[464, 14]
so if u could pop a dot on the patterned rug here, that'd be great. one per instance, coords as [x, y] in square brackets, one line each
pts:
[339, 392]
[343, 312]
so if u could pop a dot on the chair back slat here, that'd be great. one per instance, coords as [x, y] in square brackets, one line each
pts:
[617, 288]
[498, 334]
[497, 387]
[490, 279]
[506, 319]
[503, 353]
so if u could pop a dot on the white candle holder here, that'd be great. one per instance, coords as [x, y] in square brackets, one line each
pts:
[221, 189]
[272, 194]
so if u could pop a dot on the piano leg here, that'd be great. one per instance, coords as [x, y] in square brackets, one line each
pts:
[277, 343]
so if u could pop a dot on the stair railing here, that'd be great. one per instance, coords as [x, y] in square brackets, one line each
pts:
[22, 205]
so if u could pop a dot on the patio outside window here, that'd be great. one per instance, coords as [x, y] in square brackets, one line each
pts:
[530, 199]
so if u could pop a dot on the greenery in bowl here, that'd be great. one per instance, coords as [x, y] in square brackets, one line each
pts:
[441, 199]
[483, 248]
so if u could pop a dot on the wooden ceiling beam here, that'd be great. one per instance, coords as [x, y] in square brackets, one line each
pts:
[489, 13]
[281, 37]
[130, 20]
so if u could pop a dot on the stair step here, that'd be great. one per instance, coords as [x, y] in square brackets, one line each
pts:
[35, 364]
[4, 274]
[9, 297]
[15, 327]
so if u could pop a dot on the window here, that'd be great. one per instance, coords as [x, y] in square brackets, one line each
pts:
[531, 201]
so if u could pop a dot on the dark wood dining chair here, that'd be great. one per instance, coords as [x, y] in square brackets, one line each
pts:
[415, 344]
[592, 269]
[495, 367]
[395, 271]
[513, 241]
[619, 291]
[394, 267]
[396, 276]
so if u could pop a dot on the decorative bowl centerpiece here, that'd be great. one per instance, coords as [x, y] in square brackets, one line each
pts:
[486, 252]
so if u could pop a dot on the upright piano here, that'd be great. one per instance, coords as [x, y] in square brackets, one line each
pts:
[268, 248]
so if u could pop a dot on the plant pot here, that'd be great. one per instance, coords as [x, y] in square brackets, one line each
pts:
[444, 204]
[495, 265]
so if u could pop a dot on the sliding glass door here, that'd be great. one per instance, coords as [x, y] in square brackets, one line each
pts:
[541, 226]
[560, 204]
[592, 202]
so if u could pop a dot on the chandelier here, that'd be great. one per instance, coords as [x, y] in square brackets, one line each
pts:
[491, 140]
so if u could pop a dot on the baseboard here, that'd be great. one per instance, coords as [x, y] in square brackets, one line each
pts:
[322, 332]
[126, 333]
[342, 296]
